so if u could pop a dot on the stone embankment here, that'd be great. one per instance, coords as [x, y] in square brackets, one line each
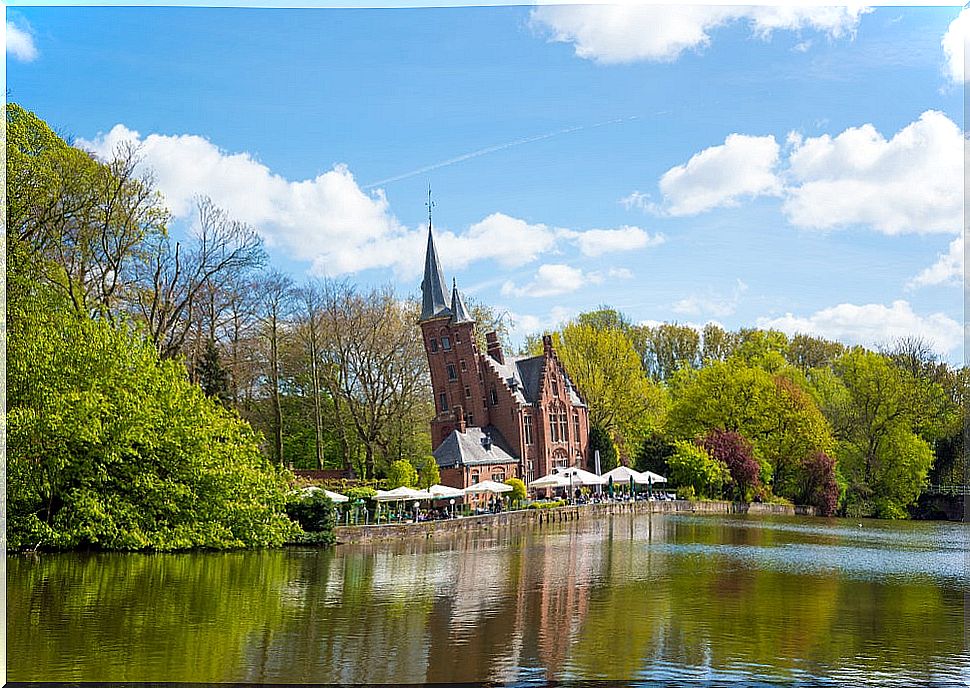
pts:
[349, 534]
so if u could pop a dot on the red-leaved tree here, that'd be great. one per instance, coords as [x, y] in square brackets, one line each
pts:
[736, 452]
[819, 486]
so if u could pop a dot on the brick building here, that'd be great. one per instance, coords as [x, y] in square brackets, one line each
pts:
[495, 417]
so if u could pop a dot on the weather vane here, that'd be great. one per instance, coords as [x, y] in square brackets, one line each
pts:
[430, 205]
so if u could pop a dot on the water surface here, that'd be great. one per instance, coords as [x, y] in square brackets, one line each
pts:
[650, 597]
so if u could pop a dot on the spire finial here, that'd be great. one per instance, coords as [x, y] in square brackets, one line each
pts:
[430, 205]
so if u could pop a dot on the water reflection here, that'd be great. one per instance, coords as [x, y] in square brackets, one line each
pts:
[651, 597]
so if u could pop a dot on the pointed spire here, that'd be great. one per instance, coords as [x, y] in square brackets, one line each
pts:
[433, 286]
[459, 314]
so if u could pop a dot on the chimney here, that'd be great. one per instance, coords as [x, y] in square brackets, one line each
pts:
[460, 415]
[487, 442]
[547, 345]
[494, 347]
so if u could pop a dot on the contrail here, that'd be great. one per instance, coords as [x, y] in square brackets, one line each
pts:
[493, 149]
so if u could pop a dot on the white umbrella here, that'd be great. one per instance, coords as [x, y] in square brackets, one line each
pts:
[334, 496]
[444, 492]
[622, 475]
[577, 476]
[551, 480]
[400, 494]
[487, 486]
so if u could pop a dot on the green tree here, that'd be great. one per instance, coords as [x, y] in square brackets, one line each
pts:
[427, 470]
[874, 414]
[109, 447]
[599, 441]
[212, 376]
[606, 369]
[667, 348]
[518, 493]
[401, 474]
[653, 454]
[691, 466]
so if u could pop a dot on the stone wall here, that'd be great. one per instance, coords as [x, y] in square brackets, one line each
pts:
[349, 534]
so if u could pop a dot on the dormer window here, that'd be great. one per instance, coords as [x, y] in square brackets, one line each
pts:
[446, 343]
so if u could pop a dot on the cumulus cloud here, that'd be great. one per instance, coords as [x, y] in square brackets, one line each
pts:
[872, 325]
[712, 304]
[523, 324]
[954, 42]
[630, 32]
[557, 278]
[596, 242]
[948, 268]
[20, 42]
[909, 183]
[743, 166]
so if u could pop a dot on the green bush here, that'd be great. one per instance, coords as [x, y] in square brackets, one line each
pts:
[547, 505]
[518, 492]
[401, 474]
[687, 493]
[314, 513]
[692, 466]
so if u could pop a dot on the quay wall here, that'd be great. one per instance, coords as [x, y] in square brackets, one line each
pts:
[394, 531]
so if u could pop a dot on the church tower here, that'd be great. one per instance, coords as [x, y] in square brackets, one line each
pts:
[449, 340]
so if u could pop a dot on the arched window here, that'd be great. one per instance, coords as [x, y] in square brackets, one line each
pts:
[560, 459]
[498, 475]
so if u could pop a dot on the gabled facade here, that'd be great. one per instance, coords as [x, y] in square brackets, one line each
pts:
[495, 418]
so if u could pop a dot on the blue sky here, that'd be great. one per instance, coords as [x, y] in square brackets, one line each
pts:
[794, 168]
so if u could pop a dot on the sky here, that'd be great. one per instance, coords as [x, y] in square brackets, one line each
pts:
[795, 168]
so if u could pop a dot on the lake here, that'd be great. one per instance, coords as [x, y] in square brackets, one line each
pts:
[648, 597]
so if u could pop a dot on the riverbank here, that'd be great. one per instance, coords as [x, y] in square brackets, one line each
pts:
[394, 531]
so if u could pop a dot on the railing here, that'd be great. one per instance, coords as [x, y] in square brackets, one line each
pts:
[951, 489]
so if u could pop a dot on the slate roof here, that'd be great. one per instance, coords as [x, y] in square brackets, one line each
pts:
[433, 285]
[524, 375]
[465, 448]
[459, 313]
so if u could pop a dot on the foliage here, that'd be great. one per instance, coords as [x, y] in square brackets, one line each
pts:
[547, 505]
[109, 447]
[212, 377]
[315, 514]
[820, 487]
[737, 454]
[599, 440]
[691, 466]
[687, 493]
[518, 490]
[606, 369]
[356, 493]
[667, 348]
[428, 473]
[653, 454]
[401, 474]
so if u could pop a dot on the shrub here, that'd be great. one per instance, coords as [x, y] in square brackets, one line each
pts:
[401, 474]
[691, 465]
[314, 513]
[737, 454]
[518, 490]
[687, 493]
[547, 505]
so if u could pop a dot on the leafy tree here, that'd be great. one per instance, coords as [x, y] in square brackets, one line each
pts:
[109, 447]
[780, 419]
[718, 345]
[518, 493]
[606, 369]
[212, 377]
[316, 515]
[820, 486]
[806, 352]
[874, 415]
[653, 454]
[401, 474]
[427, 471]
[737, 454]
[691, 466]
[599, 441]
[667, 348]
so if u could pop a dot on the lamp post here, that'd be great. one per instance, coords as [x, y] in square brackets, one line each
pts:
[416, 505]
[452, 502]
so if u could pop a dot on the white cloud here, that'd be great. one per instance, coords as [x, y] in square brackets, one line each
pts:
[744, 166]
[526, 324]
[948, 268]
[872, 325]
[630, 32]
[954, 43]
[20, 43]
[596, 242]
[551, 279]
[712, 304]
[909, 183]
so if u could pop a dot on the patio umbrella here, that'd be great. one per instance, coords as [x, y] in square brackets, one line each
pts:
[551, 480]
[487, 486]
[334, 496]
[401, 494]
[580, 477]
[444, 492]
[654, 477]
[624, 473]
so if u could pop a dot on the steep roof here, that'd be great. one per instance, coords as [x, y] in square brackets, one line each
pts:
[459, 314]
[466, 449]
[524, 375]
[433, 303]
